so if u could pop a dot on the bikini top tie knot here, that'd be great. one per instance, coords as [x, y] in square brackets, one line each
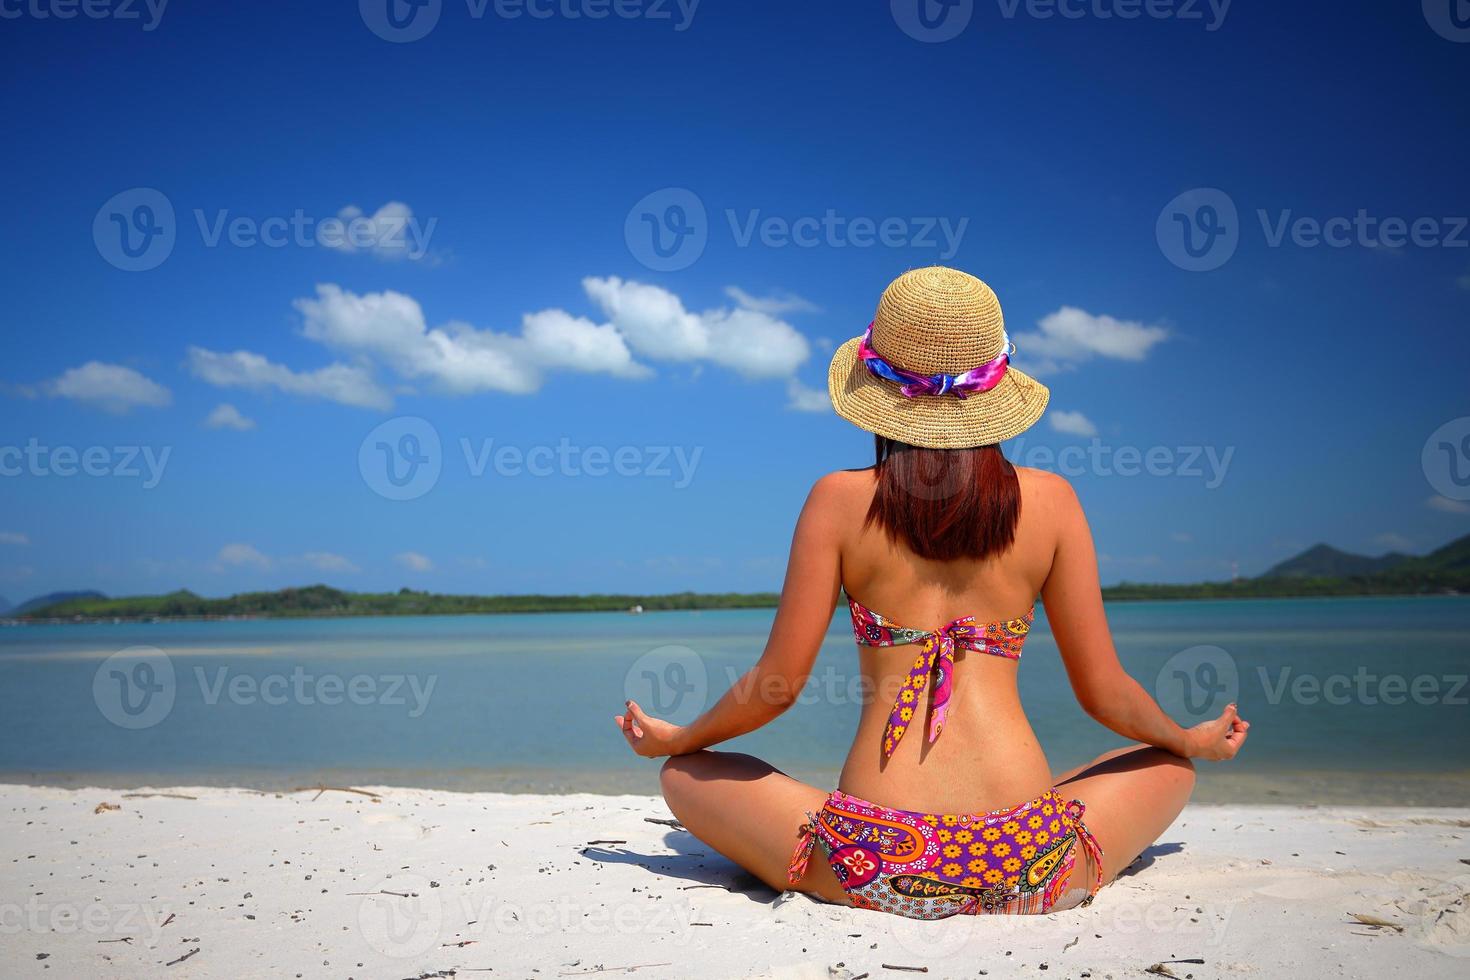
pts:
[935, 660]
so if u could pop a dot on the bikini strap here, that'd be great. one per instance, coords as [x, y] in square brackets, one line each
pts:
[1075, 810]
[801, 857]
[936, 660]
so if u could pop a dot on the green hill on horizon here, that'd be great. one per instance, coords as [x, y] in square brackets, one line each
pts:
[1445, 570]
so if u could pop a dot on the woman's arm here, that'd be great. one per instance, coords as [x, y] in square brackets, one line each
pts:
[1074, 609]
[813, 579]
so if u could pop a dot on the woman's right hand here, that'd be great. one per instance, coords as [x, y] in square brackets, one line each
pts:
[1219, 739]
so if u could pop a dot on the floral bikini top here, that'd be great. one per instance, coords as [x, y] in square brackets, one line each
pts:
[936, 657]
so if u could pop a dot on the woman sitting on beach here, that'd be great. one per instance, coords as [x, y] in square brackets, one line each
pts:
[945, 804]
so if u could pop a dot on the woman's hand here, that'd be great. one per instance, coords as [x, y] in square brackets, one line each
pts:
[649, 737]
[1219, 739]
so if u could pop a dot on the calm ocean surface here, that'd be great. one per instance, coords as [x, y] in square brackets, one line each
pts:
[1349, 699]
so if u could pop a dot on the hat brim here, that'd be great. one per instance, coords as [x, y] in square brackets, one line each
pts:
[933, 421]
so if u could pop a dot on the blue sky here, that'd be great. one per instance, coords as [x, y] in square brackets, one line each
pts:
[519, 156]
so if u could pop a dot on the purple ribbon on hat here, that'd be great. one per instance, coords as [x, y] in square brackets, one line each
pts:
[979, 379]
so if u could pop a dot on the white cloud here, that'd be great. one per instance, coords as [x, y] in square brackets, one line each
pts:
[111, 387]
[227, 416]
[325, 561]
[1448, 506]
[1072, 423]
[343, 383]
[414, 561]
[1393, 541]
[1070, 336]
[457, 357]
[14, 537]
[242, 556]
[774, 305]
[657, 325]
[389, 329]
[391, 232]
[800, 398]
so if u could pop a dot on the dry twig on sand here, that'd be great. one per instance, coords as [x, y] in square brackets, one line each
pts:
[321, 788]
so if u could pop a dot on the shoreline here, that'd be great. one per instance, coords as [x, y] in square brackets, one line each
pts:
[1216, 786]
[267, 617]
[212, 882]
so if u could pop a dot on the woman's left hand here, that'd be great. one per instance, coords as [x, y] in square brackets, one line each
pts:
[649, 737]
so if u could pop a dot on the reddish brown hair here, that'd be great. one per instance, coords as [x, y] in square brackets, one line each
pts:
[946, 504]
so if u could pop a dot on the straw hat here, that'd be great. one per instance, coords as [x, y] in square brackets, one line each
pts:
[936, 322]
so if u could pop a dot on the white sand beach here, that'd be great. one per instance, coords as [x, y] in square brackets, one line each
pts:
[417, 883]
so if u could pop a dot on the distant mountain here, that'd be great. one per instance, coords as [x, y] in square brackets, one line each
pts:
[5, 605]
[1325, 561]
[51, 599]
[1453, 557]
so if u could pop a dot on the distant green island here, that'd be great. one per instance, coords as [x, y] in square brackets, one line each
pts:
[1318, 571]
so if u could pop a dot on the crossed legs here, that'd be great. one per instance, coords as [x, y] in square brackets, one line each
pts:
[750, 812]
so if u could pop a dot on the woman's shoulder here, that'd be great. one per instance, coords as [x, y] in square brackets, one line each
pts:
[1052, 490]
[844, 487]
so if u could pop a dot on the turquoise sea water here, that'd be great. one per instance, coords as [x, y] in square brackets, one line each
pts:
[1348, 698]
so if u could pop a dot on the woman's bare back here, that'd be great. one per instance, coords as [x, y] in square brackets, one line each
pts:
[989, 757]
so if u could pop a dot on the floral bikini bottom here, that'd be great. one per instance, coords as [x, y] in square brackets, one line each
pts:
[931, 866]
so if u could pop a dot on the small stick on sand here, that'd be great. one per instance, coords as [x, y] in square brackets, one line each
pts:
[104, 807]
[122, 939]
[182, 958]
[382, 892]
[613, 969]
[1375, 921]
[906, 969]
[665, 823]
[591, 843]
[171, 917]
[323, 788]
